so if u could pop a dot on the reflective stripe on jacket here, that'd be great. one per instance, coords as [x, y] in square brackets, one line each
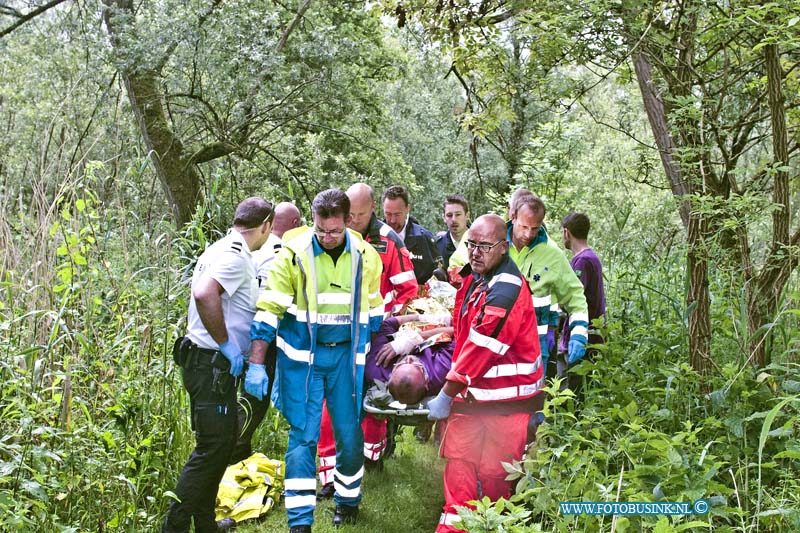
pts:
[250, 488]
[303, 295]
[496, 356]
[551, 280]
[398, 282]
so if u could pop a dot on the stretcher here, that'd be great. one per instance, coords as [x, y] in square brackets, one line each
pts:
[378, 404]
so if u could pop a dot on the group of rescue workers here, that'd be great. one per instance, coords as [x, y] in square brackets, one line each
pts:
[308, 314]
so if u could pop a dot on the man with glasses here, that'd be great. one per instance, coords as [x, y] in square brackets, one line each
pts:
[398, 288]
[221, 308]
[322, 302]
[496, 376]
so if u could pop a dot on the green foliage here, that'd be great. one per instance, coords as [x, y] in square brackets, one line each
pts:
[648, 432]
[474, 98]
[85, 380]
[493, 516]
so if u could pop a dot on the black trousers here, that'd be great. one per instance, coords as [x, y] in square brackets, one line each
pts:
[215, 427]
[251, 411]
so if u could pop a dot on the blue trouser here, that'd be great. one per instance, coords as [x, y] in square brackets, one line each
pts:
[214, 424]
[331, 379]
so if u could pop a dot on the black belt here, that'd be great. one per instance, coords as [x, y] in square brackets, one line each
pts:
[209, 356]
[332, 344]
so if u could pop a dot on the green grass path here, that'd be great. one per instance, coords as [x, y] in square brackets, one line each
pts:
[406, 497]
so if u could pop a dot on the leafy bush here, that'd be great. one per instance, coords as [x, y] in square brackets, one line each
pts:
[651, 429]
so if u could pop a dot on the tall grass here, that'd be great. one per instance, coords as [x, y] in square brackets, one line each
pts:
[93, 416]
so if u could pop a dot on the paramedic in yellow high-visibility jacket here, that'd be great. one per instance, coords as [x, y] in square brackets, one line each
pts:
[322, 301]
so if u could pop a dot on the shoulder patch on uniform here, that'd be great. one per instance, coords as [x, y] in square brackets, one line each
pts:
[380, 246]
[236, 246]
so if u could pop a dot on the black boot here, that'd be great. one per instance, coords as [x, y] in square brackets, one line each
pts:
[374, 466]
[300, 529]
[226, 524]
[326, 491]
[345, 514]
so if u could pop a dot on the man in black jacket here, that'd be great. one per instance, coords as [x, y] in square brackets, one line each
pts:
[419, 241]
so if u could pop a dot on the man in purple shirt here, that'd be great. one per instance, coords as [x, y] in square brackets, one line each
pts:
[587, 266]
[396, 357]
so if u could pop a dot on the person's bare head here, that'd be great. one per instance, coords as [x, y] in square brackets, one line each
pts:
[287, 217]
[408, 381]
[254, 220]
[529, 212]
[362, 205]
[486, 243]
[512, 202]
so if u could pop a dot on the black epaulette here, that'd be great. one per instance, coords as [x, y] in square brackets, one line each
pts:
[236, 246]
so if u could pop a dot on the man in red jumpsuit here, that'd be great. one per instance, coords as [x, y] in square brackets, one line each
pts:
[495, 380]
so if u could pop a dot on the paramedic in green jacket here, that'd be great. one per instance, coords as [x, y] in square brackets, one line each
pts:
[322, 302]
[549, 275]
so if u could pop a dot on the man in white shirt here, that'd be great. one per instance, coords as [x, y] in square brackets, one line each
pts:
[221, 308]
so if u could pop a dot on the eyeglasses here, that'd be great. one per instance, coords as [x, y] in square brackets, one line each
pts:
[324, 232]
[413, 361]
[483, 248]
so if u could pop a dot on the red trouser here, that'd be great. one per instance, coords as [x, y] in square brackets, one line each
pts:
[474, 445]
[374, 443]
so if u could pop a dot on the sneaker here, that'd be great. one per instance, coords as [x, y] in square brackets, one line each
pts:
[300, 529]
[226, 524]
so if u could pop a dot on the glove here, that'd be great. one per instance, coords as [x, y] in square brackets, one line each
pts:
[439, 407]
[256, 382]
[233, 354]
[440, 274]
[576, 349]
[551, 340]
[405, 340]
[433, 318]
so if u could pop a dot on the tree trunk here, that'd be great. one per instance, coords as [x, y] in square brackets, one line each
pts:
[698, 299]
[764, 292]
[657, 118]
[179, 176]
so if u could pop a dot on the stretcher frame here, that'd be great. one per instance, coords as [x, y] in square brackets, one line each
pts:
[400, 413]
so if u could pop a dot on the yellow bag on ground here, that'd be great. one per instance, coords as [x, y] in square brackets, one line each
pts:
[250, 488]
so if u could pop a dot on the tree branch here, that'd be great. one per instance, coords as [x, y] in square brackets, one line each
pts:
[28, 16]
[174, 44]
[211, 151]
[248, 103]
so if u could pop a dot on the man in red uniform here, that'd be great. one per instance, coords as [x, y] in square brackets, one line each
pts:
[496, 377]
[398, 288]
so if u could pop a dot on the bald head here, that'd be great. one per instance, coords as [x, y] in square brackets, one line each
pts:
[492, 226]
[486, 244]
[287, 217]
[407, 383]
[362, 205]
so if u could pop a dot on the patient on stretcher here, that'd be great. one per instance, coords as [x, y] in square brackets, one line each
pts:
[412, 355]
